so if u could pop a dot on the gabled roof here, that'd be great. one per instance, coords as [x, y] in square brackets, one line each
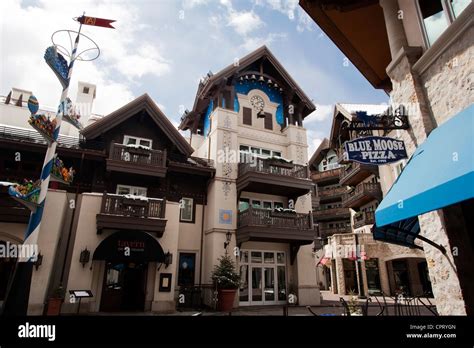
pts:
[318, 154]
[263, 52]
[249, 59]
[144, 102]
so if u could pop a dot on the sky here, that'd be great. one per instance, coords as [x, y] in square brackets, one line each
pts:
[164, 47]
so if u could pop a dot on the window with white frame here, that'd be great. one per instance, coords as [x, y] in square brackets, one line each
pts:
[131, 190]
[132, 140]
[437, 15]
[186, 209]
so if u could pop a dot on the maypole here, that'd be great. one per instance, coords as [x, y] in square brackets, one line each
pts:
[16, 302]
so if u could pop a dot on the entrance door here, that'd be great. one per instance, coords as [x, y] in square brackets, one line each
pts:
[263, 278]
[124, 287]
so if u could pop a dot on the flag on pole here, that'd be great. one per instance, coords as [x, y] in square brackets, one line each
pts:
[98, 22]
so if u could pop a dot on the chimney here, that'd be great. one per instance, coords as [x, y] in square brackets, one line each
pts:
[85, 99]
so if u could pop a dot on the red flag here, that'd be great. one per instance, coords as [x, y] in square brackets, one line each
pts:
[98, 22]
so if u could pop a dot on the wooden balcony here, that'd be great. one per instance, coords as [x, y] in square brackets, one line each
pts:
[327, 176]
[329, 231]
[328, 214]
[143, 161]
[364, 218]
[362, 194]
[355, 172]
[120, 212]
[274, 177]
[332, 194]
[265, 225]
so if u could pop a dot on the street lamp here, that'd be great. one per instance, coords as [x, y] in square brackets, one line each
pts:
[228, 238]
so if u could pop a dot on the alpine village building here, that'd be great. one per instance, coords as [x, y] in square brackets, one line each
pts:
[419, 52]
[239, 185]
[345, 198]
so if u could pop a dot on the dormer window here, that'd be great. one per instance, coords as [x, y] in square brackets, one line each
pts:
[85, 90]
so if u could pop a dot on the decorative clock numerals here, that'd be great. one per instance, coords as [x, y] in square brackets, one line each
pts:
[257, 103]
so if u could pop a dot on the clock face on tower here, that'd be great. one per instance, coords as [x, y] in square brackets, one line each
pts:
[257, 103]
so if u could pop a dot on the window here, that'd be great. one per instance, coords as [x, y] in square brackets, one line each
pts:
[268, 123]
[85, 90]
[247, 116]
[131, 140]
[244, 204]
[266, 153]
[276, 153]
[277, 205]
[187, 207]
[256, 204]
[437, 15]
[187, 266]
[267, 205]
[131, 190]
[458, 6]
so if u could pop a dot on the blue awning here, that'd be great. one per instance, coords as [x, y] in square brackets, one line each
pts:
[440, 173]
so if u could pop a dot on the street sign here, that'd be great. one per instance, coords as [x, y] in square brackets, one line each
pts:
[375, 150]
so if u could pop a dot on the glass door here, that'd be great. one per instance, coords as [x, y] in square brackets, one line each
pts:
[263, 278]
[256, 290]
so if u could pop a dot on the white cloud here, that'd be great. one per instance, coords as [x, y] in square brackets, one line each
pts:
[244, 22]
[252, 43]
[124, 55]
[305, 22]
[188, 4]
[314, 138]
[147, 60]
[323, 112]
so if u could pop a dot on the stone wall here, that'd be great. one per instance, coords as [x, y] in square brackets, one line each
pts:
[449, 81]
[443, 89]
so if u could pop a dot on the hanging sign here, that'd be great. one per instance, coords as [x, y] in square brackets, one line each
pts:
[98, 22]
[375, 150]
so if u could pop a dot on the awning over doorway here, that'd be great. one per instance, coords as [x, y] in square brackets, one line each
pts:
[142, 247]
[401, 232]
[440, 173]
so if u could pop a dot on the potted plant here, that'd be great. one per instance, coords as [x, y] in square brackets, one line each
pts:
[55, 301]
[226, 280]
[353, 304]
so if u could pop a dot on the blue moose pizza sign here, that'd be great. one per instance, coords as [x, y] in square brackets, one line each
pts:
[375, 150]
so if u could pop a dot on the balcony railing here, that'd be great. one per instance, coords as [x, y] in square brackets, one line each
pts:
[32, 136]
[356, 172]
[120, 152]
[265, 224]
[275, 167]
[364, 218]
[331, 192]
[133, 207]
[129, 159]
[362, 194]
[323, 213]
[329, 231]
[327, 175]
[132, 213]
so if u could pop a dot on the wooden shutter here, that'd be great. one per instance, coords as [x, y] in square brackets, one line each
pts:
[268, 121]
[247, 119]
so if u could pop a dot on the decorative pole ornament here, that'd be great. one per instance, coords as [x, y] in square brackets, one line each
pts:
[17, 296]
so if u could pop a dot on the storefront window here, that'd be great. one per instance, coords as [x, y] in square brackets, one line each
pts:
[186, 270]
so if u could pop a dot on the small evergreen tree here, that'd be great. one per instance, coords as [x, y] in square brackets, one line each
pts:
[225, 275]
